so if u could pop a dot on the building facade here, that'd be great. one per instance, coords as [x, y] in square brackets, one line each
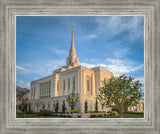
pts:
[73, 77]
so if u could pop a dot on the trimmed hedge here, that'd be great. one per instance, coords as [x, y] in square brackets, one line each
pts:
[94, 115]
[74, 111]
[131, 112]
[89, 111]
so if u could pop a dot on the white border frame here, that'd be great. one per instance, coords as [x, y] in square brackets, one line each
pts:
[10, 9]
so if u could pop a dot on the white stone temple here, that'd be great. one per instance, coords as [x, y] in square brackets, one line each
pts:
[71, 77]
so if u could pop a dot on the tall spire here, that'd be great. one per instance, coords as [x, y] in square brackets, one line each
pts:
[72, 49]
[72, 59]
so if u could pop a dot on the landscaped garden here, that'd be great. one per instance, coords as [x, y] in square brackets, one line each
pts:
[117, 100]
[72, 113]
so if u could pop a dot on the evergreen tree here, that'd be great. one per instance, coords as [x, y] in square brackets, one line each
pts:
[63, 107]
[86, 106]
[96, 107]
[57, 107]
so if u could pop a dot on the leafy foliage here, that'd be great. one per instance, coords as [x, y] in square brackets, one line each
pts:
[86, 106]
[72, 100]
[74, 111]
[120, 93]
[96, 107]
[63, 107]
[23, 106]
[57, 107]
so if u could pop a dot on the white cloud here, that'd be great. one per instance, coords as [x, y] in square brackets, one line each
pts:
[39, 67]
[116, 66]
[121, 53]
[91, 36]
[117, 24]
[141, 79]
[88, 65]
[59, 52]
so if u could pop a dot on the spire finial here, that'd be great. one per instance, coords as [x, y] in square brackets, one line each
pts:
[72, 59]
[72, 29]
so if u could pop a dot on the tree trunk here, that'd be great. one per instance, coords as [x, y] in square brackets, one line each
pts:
[121, 114]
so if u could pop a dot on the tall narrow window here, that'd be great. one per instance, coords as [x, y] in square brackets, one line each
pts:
[63, 86]
[31, 93]
[34, 92]
[88, 85]
[45, 89]
[68, 84]
[58, 87]
[49, 89]
[73, 83]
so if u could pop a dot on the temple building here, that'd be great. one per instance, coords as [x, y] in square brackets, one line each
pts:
[63, 81]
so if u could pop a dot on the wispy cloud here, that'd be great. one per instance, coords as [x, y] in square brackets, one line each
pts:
[121, 53]
[59, 52]
[115, 25]
[23, 84]
[141, 79]
[91, 36]
[116, 66]
[39, 67]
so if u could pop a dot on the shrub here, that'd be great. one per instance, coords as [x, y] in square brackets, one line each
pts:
[100, 115]
[89, 111]
[46, 112]
[115, 113]
[132, 112]
[93, 115]
[74, 111]
[101, 111]
[105, 114]
[29, 112]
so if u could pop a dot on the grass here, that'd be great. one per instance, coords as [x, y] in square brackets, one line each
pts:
[36, 116]
[126, 115]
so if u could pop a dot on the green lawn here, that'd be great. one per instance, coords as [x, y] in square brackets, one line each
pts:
[35, 116]
[127, 116]
[112, 116]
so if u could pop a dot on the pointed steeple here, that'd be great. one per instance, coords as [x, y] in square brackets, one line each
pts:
[72, 59]
[72, 49]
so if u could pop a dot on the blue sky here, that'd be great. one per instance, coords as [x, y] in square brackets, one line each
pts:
[113, 42]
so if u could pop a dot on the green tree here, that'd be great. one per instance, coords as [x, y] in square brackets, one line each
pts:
[23, 106]
[72, 100]
[57, 107]
[63, 107]
[29, 106]
[37, 104]
[96, 107]
[120, 93]
[86, 106]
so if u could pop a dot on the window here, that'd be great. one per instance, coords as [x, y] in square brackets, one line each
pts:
[68, 84]
[102, 107]
[45, 90]
[73, 83]
[53, 104]
[88, 85]
[31, 93]
[58, 87]
[63, 85]
[48, 104]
